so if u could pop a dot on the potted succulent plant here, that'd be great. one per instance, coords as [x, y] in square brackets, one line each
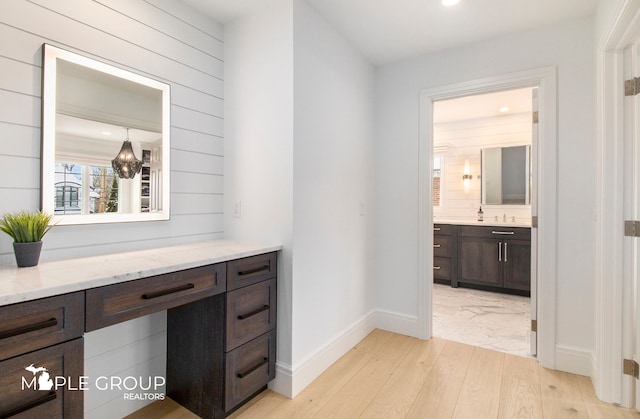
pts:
[27, 230]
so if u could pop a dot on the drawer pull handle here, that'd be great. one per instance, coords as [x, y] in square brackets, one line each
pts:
[254, 270]
[29, 328]
[437, 268]
[436, 228]
[252, 369]
[510, 233]
[156, 294]
[253, 313]
[49, 396]
[437, 246]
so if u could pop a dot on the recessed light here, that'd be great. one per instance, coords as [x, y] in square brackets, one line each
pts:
[504, 109]
[450, 2]
[105, 133]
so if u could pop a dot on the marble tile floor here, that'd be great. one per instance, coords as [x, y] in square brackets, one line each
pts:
[486, 319]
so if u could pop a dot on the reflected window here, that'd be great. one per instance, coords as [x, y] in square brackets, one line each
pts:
[85, 189]
[67, 197]
[437, 180]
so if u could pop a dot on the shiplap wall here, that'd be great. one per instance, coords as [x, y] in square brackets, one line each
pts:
[162, 39]
[463, 141]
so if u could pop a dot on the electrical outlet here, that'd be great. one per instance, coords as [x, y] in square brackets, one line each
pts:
[361, 208]
[237, 209]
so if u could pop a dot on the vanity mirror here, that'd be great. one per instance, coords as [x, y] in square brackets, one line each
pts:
[89, 111]
[506, 175]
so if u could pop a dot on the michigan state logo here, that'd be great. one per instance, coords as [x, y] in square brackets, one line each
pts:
[40, 381]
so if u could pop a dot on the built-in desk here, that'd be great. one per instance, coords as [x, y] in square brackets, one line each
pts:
[220, 298]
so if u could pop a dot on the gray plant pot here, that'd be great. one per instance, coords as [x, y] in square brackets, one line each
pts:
[27, 254]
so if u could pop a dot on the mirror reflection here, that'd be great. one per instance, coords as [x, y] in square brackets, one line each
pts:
[105, 144]
[506, 176]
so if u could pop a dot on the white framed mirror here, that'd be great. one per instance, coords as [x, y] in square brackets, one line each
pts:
[506, 175]
[90, 109]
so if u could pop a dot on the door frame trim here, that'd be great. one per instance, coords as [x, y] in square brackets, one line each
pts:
[546, 81]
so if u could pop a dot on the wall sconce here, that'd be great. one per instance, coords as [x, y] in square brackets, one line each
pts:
[466, 177]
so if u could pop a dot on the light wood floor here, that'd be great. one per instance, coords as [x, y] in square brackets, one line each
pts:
[393, 376]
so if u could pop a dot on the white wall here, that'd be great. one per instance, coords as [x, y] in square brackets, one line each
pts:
[259, 144]
[161, 39]
[299, 159]
[333, 189]
[569, 47]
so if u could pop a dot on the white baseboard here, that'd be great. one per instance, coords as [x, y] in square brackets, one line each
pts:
[290, 381]
[397, 323]
[576, 361]
[283, 383]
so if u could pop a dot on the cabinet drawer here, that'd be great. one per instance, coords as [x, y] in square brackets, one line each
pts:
[442, 246]
[249, 368]
[63, 360]
[442, 268]
[25, 327]
[247, 271]
[515, 233]
[251, 311]
[128, 300]
[442, 229]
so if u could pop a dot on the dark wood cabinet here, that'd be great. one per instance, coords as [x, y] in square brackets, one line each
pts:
[251, 311]
[479, 263]
[45, 334]
[128, 300]
[495, 257]
[444, 254]
[195, 356]
[32, 325]
[517, 265]
[221, 346]
[250, 345]
[221, 350]
[486, 257]
[249, 368]
[29, 399]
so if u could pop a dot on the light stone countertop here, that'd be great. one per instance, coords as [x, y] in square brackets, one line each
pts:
[491, 222]
[69, 275]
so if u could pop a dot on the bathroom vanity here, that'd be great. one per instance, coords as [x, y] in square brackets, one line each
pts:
[491, 257]
[220, 298]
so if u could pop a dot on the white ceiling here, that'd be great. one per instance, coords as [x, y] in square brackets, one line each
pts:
[483, 106]
[70, 126]
[385, 31]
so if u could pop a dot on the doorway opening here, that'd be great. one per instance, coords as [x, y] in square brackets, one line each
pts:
[482, 195]
[543, 205]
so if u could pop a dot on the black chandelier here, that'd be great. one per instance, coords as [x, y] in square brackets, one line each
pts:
[126, 164]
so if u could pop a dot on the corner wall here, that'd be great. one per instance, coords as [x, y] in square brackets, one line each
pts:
[299, 170]
[333, 189]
